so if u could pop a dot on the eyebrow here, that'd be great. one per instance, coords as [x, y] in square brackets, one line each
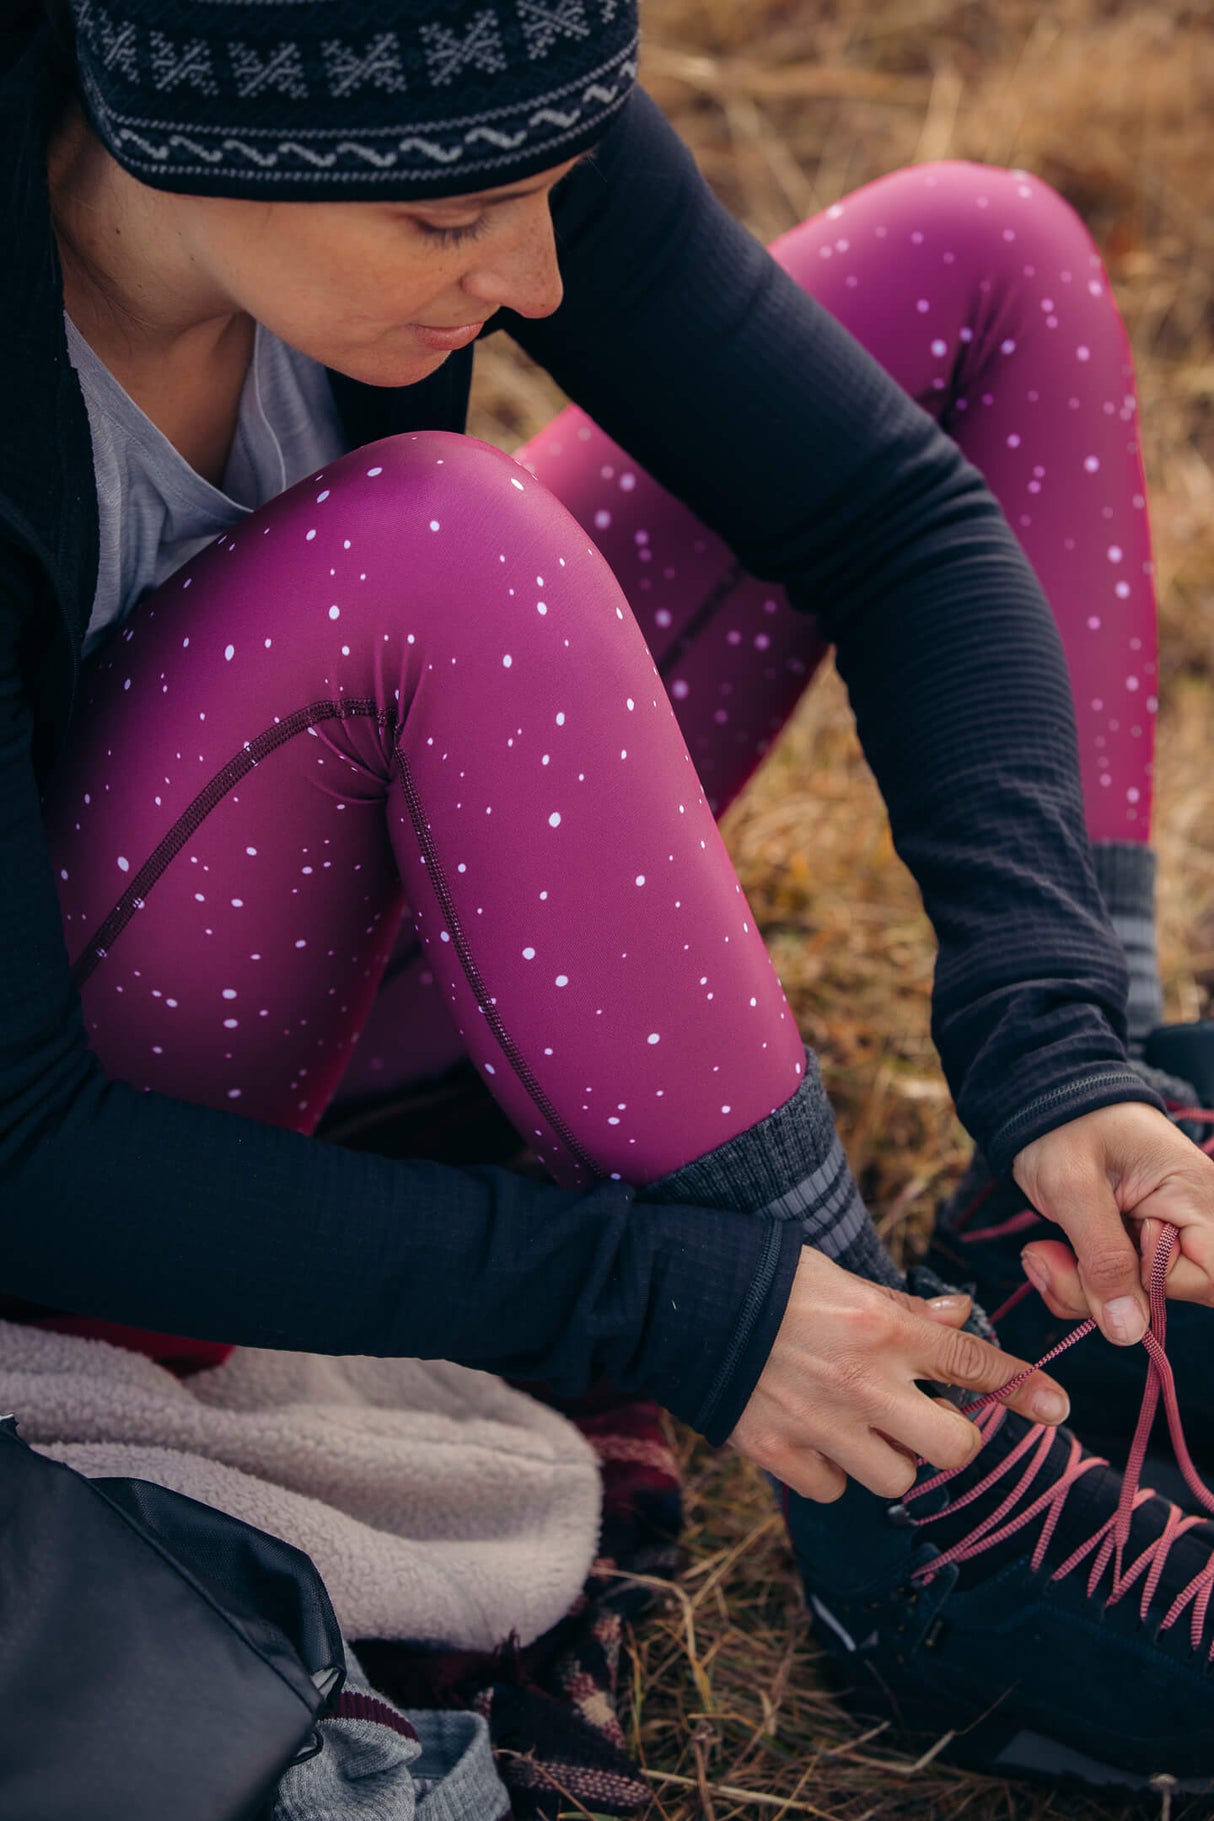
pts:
[487, 199]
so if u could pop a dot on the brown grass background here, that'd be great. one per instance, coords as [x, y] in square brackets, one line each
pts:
[789, 104]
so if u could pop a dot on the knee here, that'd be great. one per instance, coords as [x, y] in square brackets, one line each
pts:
[440, 535]
[1015, 225]
[439, 493]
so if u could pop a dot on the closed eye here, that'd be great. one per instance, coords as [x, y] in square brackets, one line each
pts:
[452, 237]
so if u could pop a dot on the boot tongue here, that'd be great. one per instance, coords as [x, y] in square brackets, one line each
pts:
[1081, 1513]
[1037, 1467]
[1089, 1502]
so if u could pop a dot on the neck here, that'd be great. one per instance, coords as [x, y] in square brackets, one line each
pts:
[131, 281]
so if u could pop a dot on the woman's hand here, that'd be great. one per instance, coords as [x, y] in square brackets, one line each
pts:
[838, 1394]
[1110, 1180]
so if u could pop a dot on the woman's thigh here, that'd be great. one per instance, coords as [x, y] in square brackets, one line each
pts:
[981, 292]
[412, 681]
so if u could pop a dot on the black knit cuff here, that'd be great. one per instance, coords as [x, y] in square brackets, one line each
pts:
[719, 1285]
[1058, 1106]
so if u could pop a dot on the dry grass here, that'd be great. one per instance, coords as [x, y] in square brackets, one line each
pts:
[788, 106]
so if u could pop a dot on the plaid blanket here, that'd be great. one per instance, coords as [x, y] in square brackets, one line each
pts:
[551, 1707]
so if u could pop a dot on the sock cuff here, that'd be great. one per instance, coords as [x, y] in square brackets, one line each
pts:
[760, 1165]
[1125, 873]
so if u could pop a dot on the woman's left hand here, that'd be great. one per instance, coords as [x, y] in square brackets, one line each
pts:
[1110, 1180]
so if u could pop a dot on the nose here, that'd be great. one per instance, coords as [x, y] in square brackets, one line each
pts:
[518, 270]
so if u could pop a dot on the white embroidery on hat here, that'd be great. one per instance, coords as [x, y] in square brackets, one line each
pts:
[116, 41]
[188, 61]
[544, 21]
[281, 68]
[480, 47]
[380, 64]
[166, 147]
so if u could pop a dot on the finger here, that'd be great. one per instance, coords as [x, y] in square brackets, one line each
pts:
[1192, 1258]
[932, 1429]
[811, 1475]
[951, 1306]
[962, 1359]
[1051, 1269]
[1106, 1256]
[875, 1461]
[953, 1309]
[1189, 1282]
[1185, 1203]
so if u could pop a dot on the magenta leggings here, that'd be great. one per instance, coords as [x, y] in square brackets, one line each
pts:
[471, 722]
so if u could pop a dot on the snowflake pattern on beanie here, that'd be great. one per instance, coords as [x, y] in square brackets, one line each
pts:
[343, 99]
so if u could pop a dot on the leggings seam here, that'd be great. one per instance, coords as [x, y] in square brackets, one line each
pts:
[716, 597]
[195, 813]
[446, 902]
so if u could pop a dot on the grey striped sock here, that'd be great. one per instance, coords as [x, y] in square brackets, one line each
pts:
[790, 1164]
[1125, 873]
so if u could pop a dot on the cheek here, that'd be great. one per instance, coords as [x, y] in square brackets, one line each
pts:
[357, 296]
[345, 299]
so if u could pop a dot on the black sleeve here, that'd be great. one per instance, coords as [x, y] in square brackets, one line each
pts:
[682, 337]
[148, 1210]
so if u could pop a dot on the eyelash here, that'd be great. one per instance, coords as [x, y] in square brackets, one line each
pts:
[452, 237]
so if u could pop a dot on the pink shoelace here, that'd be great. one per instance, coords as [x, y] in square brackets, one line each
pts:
[1106, 1547]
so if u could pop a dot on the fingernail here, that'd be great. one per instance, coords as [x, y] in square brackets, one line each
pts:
[1126, 1319]
[1034, 1272]
[1051, 1405]
[953, 1301]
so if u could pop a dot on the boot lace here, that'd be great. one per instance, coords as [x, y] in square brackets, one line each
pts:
[1025, 1219]
[1106, 1549]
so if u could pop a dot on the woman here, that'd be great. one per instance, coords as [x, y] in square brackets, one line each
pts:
[410, 679]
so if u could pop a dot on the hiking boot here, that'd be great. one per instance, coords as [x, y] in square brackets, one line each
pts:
[1042, 1613]
[985, 1224]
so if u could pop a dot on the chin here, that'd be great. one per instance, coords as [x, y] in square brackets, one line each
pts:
[380, 369]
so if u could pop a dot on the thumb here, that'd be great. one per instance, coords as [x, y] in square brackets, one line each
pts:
[952, 1307]
[1109, 1265]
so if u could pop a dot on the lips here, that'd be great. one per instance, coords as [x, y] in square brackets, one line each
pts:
[445, 340]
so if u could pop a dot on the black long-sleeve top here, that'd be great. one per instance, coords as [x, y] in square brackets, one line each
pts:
[682, 337]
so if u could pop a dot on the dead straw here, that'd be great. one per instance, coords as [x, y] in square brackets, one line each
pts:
[788, 105]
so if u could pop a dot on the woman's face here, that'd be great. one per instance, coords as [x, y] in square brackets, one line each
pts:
[382, 291]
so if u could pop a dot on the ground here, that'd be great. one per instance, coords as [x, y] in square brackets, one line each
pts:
[789, 105]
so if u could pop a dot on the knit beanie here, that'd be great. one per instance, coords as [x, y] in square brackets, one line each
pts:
[309, 100]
